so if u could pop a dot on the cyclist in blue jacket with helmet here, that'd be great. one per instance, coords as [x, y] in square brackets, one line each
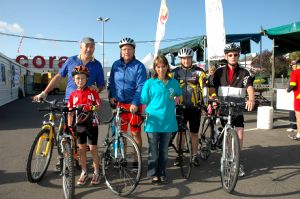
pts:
[126, 81]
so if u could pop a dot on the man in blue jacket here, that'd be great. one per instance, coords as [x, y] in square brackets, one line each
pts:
[126, 81]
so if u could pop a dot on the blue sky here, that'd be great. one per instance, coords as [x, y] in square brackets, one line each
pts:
[71, 20]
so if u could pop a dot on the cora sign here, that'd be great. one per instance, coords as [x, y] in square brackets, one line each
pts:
[40, 62]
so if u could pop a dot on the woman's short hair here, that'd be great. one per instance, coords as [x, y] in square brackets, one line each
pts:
[163, 60]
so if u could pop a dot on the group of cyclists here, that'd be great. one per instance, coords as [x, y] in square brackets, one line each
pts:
[129, 88]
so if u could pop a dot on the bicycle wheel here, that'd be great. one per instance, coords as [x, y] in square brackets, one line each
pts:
[39, 156]
[122, 175]
[230, 161]
[205, 138]
[185, 154]
[68, 173]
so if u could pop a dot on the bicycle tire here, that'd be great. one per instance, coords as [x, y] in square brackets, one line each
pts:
[185, 154]
[205, 140]
[68, 173]
[121, 175]
[39, 156]
[230, 164]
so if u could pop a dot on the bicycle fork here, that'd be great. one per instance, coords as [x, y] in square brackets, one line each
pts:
[47, 138]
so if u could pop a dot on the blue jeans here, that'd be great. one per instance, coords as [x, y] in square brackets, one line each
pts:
[158, 153]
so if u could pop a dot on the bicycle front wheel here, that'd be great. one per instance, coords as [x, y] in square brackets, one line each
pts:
[122, 174]
[205, 138]
[185, 154]
[230, 161]
[68, 173]
[39, 156]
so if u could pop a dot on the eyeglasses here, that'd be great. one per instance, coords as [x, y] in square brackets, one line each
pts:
[235, 55]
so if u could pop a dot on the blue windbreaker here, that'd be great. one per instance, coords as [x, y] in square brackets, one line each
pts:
[126, 81]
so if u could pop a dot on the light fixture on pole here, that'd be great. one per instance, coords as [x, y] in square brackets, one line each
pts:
[103, 21]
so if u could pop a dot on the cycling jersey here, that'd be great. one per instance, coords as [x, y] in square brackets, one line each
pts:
[190, 80]
[294, 84]
[126, 81]
[86, 97]
[236, 88]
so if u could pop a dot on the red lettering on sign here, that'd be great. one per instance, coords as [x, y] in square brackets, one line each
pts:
[40, 62]
[51, 59]
[18, 60]
[39, 65]
[62, 61]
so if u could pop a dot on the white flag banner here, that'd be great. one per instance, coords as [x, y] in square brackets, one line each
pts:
[215, 30]
[161, 23]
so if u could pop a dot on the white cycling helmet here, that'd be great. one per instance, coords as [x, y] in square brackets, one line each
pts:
[185, 52]
[126, 41]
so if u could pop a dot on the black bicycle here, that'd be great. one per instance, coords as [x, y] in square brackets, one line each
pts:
[182, 145]
[225, 139]
[41, 150]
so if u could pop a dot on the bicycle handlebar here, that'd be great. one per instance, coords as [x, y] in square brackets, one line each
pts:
[61, 107]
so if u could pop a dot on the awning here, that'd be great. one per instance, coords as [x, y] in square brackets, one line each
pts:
[286, 37]
[198, 43]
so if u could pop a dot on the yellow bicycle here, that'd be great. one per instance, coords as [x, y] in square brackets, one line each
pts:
[41, 150]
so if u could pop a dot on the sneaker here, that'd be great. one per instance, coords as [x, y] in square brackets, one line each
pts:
[290, 130]
[195, 161]
[96, 179]
[82, 179]
[156, 180]
[242, 171]
[58, 166]
[177, 161]
[164, 180]
[294, 137]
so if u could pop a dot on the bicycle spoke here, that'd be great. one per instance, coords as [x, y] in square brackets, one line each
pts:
[39, 156]
[230, 161]
[121, 175]
[185, 155]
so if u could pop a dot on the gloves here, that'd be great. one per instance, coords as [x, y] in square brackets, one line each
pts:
[41, 96]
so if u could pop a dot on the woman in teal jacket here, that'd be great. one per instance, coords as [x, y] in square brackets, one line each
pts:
[158, 94]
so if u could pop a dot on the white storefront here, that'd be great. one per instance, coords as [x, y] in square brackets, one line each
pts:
[12, 80]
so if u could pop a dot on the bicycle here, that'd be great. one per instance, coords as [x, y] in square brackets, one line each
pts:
[42, 148]
[122, 160]
[184, 145]
[226, 139]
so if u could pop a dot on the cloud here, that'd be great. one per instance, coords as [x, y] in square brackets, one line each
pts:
[10, 28]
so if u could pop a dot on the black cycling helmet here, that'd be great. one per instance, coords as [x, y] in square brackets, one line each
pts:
[80, 70]
[232, 48]
[127, 41]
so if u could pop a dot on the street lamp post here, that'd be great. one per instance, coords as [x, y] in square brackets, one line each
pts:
[103, 21]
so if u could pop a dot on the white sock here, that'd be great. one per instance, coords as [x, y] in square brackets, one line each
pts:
[83, 171]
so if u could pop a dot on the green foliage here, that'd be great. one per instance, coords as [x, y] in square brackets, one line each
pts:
[281, 64]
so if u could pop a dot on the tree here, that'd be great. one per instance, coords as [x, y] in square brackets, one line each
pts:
[281, 64]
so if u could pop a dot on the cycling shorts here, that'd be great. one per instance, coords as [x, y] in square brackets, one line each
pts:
[237, 121]
[297, 104]
[132, 119]
[193, 116]
[91, 134]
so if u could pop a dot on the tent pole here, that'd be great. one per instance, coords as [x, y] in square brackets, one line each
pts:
[260, 55]
[273, 73]
[204, 52]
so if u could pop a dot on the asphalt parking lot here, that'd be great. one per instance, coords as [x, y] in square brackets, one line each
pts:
[271, 159]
